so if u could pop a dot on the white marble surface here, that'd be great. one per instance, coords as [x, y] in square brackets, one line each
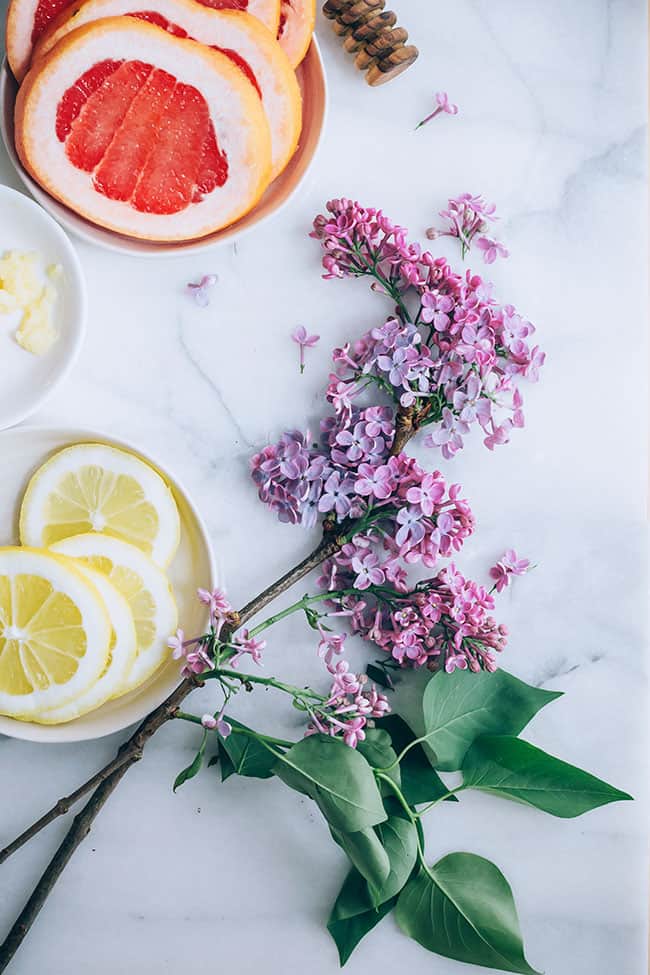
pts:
[240, 878]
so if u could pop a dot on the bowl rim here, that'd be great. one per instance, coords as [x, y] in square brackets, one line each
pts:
[109, 240]
[47, 734]
[77, 323]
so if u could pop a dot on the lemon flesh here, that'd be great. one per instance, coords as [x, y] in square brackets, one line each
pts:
[144, 586]
[122, 653]
[100, 488]
[54, 632]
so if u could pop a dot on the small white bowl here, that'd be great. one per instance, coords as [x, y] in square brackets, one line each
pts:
[26, 380]
[22, 452]
[311, 77]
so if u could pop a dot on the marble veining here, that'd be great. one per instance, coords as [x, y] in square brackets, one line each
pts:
[240, 878]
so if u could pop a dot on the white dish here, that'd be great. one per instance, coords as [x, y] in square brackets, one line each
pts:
[22, 451]
[311, 77]
[26, 380]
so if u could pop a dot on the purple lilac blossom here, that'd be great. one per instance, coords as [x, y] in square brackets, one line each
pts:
[508, 565]
[444, 623]
[465, 348]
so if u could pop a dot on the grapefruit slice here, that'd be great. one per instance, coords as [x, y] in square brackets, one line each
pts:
[27, 20]
[239, 36]
[268, 11]
[147, 134]
[297, 22]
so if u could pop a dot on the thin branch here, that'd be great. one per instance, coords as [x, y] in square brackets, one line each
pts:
[131, 751]
[328, 546]
[62, 806]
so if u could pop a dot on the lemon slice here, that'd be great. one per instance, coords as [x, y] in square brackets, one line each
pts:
[54, 632]
[96, 487]
[122, 653]
[145, 588]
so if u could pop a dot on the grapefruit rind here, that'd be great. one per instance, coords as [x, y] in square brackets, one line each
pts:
[297, 23]
[18, 35]
[21, 15]
[239, 120]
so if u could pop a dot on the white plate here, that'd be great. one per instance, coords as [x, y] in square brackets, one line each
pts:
[22, 451]
[311, 77]
[26, 380]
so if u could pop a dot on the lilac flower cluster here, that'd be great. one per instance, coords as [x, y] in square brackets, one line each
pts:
[196, 653]
[466, 217]
[402, 511]
[457, 363]
[351, 702]
[443, 623]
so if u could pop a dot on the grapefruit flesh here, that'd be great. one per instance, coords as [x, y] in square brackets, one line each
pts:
[176, 143]
[44, 14]
[237, 35]
[146, 138]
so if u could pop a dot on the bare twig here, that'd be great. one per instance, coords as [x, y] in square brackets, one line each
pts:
[63, 805]
[130, 752]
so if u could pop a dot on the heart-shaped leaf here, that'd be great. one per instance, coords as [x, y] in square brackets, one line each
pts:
[515, 769]
[350, 921]
[463, 908]
[419, 782]
[337, 777]
[246, 755]
[194, 767]
[462, 706]
[366, 852]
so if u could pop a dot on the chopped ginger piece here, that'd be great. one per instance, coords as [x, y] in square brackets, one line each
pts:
[22, 288]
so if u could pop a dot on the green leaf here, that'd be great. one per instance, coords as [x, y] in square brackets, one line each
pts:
[462, 706]
[381, 676]
[378, 751]
[194, 768]
[366, 852]
[246, 755]
[337, 777]
[359, 907]
[515, 769]
[227, 767]
[399, 839]
[463, 908]
[349, 922]
[419, 782]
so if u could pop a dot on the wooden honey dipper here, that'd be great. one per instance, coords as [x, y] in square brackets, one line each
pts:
[371, 33]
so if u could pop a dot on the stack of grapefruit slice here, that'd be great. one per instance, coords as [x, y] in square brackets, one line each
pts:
[164, 120]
